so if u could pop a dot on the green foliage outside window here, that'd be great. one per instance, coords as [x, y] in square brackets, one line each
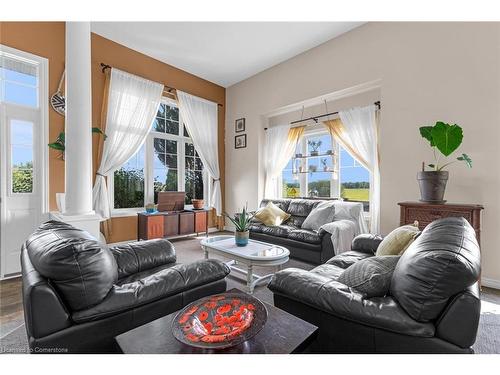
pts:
[22, 178]
[129, 188]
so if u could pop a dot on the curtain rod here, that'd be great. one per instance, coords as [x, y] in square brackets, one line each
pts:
[315, 118]
[167, 88]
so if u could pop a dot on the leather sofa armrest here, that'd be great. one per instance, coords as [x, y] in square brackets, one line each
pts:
[459, 322]
[366, 243]
[332, 297]
[157, 285]
[139, 256]
[44, 311]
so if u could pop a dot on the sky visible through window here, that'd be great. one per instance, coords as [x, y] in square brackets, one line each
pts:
[351, 170]
[22, 89]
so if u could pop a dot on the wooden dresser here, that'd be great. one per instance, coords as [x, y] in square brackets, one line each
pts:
[171, 224]
[425, 213]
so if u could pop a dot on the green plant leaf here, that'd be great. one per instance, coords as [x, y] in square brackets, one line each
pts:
[446, 137]
[57, 146]
[426, 132]
[99, 131]
[467, 160]
[61, 137]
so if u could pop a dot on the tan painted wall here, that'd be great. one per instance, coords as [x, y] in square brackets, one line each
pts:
[428, 72]
[47, 39]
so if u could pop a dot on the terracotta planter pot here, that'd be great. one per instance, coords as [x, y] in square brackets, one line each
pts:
[197, 203]
[432, 185]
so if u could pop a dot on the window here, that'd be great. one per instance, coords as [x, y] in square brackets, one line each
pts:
[167, 161]
[21, 156]
[19, 81]
[354, 180]
[324, 169]
[129, 182]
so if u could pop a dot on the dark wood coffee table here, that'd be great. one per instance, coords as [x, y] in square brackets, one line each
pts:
[283, 333]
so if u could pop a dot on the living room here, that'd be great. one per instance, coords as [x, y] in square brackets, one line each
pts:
[295, 187]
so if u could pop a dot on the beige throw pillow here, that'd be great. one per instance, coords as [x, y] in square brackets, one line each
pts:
[396, 242]
[271, 215]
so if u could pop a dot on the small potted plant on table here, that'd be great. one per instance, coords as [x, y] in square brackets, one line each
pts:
[241, 222]
[444, 139]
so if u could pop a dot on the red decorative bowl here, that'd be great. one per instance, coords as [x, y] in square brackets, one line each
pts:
[219, 321]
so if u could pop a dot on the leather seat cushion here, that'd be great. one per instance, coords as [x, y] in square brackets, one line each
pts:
[81, 268]
[279, 231]
[157, 284]
[347, 259]
[304, 235]
[328, 271]
[443, 261]
[320, 290]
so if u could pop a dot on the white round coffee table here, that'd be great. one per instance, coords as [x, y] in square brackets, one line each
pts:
[256, 253]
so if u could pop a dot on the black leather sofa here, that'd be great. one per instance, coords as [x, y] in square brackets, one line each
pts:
[433, 305]
[306, 245]
[78, 294]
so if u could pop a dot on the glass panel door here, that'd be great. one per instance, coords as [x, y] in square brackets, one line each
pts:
[21, 157]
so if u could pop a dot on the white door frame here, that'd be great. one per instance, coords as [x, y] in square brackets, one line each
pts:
[43, 140]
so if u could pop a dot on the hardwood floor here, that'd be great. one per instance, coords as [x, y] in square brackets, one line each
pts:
[11, 305]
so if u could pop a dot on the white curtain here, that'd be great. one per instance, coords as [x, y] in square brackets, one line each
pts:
[360, 133]
[132, 105]
[281, 141]
[200, 117]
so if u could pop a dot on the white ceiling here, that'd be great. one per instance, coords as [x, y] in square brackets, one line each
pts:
[222, 52]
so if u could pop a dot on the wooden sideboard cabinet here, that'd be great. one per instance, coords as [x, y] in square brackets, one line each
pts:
[171, 224]
[425, 213]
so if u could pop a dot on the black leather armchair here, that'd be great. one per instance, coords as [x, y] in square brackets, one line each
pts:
[78, 294]
[433, 305]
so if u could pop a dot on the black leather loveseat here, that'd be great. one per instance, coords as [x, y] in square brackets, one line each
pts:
[433, 305]
[78, 294]
[307, 245]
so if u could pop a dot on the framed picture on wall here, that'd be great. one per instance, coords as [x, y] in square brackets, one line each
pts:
[240, 141]
[239, 125]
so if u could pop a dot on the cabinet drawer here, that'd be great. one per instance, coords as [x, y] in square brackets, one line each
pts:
[171, 225]
[154, 227]
[427, 216]
[186, 223]
[200, 221]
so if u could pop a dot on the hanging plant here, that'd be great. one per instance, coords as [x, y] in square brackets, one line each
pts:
[59, 143]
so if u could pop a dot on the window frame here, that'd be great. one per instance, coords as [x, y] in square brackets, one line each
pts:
[39, 115]
[181, 140]
[335, 183]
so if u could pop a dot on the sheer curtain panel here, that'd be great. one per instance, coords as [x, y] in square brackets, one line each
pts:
[357, 132]
[200, 118]
[132, 105]
[281, 141]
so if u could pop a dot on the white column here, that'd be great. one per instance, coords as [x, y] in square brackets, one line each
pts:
[78, 154]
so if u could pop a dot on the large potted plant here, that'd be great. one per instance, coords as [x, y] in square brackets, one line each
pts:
[444, 139]
[241, 222]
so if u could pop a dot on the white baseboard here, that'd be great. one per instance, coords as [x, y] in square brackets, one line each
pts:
[490, 283]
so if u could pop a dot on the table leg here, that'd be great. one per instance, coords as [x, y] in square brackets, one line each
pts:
[250, 279]
[205, 251]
